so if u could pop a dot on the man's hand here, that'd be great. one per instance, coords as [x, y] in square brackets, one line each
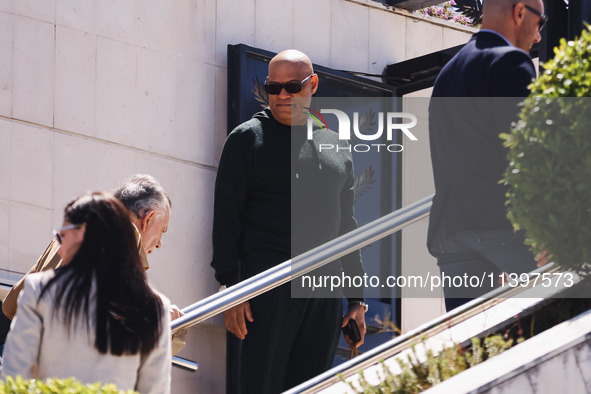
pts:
[178, 339]
[175, 312]
[236, 322]
[356, 312]
[542, 258]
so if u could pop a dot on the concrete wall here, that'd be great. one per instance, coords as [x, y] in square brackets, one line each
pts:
[92, 92]
[417, 183]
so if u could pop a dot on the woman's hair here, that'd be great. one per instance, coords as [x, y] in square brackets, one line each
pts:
[128, 312]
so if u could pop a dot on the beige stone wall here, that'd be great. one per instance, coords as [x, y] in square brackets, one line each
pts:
[94, 91]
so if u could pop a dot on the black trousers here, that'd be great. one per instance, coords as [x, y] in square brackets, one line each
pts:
[290, 341]
[481, 254]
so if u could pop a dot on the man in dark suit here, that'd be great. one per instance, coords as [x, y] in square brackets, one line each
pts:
[474, 100]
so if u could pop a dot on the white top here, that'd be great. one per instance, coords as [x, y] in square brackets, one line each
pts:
[37, 341]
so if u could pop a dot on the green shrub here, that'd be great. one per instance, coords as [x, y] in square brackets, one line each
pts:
[416, 376]
[50, 386]
[550, 159]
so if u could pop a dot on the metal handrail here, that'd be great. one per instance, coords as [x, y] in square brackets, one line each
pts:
[184, 363]
[396, 345]
[302, 264]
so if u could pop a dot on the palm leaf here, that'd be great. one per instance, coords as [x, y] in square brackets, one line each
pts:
[470, 8]
[260, 94]
[366, 124]
[364, 182]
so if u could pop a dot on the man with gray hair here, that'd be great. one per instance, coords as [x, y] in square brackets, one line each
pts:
[149, 208]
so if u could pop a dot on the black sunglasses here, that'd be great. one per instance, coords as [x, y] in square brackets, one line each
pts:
[290, 87]
[543, 17]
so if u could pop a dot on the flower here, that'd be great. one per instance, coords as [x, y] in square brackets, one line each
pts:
[445, 11]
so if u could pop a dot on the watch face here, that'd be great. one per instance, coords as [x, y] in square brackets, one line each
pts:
[363, 304]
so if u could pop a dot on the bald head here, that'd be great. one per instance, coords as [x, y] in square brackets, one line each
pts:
[295, 58]
[514, 21]
[495, 10]
[295, 68]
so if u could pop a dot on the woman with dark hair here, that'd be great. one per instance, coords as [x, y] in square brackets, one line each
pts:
[96, 318]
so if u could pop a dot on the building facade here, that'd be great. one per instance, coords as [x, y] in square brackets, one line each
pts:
[92, 92]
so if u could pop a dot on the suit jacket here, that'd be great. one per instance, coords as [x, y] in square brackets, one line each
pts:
[40, 346]
[474, 100]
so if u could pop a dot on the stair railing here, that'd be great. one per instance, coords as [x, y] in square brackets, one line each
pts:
[302, 264]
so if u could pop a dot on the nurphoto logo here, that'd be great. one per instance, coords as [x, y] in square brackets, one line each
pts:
[388, 122]
[317, 117]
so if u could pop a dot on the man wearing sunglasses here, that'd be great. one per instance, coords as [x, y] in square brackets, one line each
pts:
[469, 232]
[257, 225]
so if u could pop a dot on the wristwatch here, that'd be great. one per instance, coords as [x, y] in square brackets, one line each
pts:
[363, 304]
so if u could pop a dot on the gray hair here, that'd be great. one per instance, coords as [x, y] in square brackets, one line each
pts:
[141, 193]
